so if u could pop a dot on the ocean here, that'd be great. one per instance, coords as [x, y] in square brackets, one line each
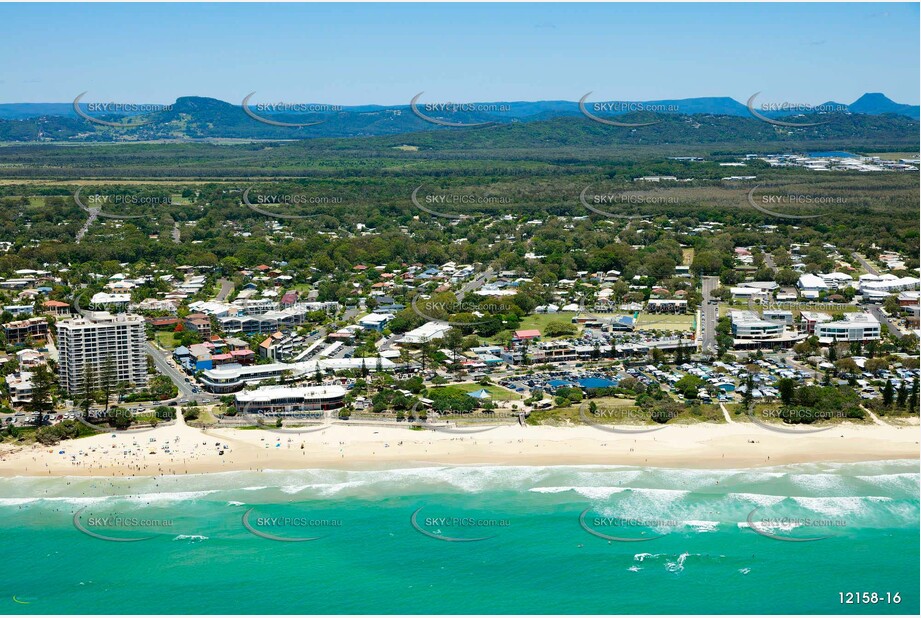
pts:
[484, 539]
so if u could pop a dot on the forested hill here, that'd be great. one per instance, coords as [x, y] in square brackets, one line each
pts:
[872, 118]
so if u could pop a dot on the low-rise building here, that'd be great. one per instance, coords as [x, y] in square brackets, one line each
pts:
[23, 331]
[286, 401]
[855, 327]
[748, 325]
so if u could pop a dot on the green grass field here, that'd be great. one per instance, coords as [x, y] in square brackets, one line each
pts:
[665, 321]
[541, 320]
[498, 393]
[165, 339]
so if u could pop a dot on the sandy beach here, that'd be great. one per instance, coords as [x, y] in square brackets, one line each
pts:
[180, 449]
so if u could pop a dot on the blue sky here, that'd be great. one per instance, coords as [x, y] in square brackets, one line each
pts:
[351, 54]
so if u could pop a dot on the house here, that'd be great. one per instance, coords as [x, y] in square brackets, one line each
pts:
[527, 334]
[56, 308]
[375, 321]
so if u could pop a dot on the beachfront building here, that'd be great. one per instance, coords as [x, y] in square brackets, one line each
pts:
[855, 327]
[19, 385]
[103, 346]
[233, 377]
[23, 331]
[286, 401]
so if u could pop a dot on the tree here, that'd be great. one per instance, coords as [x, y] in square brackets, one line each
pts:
[787, 388]
[902, 397]
[888, 393]
[747, 396]
[107, 378]
[41, 402]
[913, 398]
[891, 305]
[846, 365]
[875, 364]
[88, 392]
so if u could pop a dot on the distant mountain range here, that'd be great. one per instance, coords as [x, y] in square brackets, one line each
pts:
[191, 118]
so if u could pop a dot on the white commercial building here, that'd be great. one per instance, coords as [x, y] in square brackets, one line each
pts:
[284, 400]
[887, 284]
[855, 327]
[101, 343]
[426, 332]
[810, 285]
[748, 325]
[233, 377]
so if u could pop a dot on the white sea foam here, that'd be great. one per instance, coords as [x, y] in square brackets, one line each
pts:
[593, 493]
[703, 526]
[195, 538]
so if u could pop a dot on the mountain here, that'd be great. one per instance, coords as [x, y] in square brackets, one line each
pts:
[202, 118]
[876, 103]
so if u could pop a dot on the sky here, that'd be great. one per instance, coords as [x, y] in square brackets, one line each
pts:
[352, 54]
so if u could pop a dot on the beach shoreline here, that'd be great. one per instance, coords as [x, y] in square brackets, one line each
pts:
[704, 445]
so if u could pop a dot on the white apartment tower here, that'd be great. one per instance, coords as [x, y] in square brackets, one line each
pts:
[105, 342]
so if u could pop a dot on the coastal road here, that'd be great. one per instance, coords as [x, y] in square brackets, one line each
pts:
[161, 361]
[709, 313]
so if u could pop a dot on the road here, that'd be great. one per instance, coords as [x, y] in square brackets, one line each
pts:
[226, 289]
[769, 262]
[474, 284]
[876, 312]
[161, 360]
[94, 214]
[710, 313]
[863, 262]
[177, 235]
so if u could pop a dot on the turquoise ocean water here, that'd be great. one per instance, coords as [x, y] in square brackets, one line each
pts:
[681, 541]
